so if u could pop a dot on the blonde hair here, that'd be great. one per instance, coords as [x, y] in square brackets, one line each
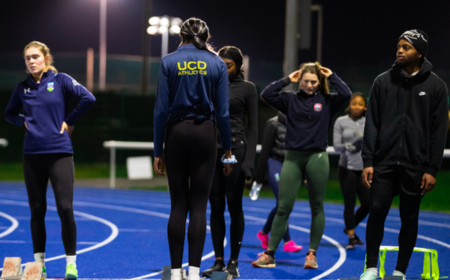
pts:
[45, 52]
[314, 68]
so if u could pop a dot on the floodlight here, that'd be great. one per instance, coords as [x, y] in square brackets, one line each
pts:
[154, 20]
[152, 30]
[175, 29]
[164, 22]
[176, 21]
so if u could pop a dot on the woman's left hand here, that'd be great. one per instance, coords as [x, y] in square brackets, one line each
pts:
[158, 164]
[67, 127]
[326, 71]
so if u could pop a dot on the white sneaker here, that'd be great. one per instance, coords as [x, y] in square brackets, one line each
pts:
[398, 273]
[368, 275]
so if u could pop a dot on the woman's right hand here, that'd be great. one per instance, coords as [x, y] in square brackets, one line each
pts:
[295, 76]
[227, 168]
[26, 125]
[158, 164]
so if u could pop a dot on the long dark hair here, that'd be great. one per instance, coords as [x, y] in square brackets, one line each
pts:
[195, 30]
[235, 54]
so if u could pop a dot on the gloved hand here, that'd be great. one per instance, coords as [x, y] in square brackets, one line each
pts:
[350, 147]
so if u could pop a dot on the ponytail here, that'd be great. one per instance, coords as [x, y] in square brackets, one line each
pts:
[196, 31]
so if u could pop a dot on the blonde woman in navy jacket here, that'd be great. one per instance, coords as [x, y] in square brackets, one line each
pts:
[192, 95]
[47, 149]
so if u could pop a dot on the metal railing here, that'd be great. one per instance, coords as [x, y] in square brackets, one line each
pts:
[125, 145]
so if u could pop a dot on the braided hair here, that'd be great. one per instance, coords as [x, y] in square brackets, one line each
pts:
[196, 31]
[234, 54]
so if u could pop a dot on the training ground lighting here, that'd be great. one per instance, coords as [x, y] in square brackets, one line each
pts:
[164, 25]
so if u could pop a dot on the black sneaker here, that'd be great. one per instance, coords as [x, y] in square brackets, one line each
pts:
[352, 242]
[233, 269]
[219, 265]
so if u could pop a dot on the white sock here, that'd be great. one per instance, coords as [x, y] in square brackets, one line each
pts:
[71, 260]
[40, 257]
[373, 270]
[175, 274]
[396, 271]
[194, 273]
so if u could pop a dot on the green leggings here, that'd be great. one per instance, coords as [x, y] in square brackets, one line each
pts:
[316, 168]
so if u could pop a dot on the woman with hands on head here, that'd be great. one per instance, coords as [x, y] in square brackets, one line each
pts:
[47, 149]
[309, 112]
[192, 97]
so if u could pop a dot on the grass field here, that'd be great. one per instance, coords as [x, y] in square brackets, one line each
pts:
[437, 200]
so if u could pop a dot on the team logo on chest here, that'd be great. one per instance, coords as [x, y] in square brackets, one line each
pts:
[50, 86]
[317, 107]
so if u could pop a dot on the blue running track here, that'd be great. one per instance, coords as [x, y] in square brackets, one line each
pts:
[122, 234]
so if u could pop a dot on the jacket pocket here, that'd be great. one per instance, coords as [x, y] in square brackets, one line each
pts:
[416, 148]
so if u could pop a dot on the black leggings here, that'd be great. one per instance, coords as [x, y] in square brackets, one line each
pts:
[38, 169]
[409, 215]
[190, 153]
[232, 187]
[351, 184]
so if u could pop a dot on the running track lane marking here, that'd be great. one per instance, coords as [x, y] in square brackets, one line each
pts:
[144, 212]
[113, 227]
[342, 252]
[12, 228]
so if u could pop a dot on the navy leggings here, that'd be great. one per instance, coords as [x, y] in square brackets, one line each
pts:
[273, 176]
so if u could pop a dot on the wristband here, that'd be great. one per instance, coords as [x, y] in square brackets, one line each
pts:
[231, 160]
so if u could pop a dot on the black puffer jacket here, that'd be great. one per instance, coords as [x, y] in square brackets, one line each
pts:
[406, 120]
[273, 144]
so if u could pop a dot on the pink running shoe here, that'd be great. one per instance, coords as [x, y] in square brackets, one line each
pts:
[292, 247]
[264, 239]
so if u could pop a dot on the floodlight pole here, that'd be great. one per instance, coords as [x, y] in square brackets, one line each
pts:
[102, 68]
[165, 43]
[290, 40]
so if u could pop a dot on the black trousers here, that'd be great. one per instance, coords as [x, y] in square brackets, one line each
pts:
[388, 181]
[59, 168]
[190, 154]
[231, 188]
[351, 185]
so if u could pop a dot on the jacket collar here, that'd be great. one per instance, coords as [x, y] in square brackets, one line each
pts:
[46, 76]
[425, 69]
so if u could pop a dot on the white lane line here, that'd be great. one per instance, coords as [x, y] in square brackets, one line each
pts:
[342, 252]
[144, 212]
[133, 230]
[12, 241]
[14, 224]
[112, 236]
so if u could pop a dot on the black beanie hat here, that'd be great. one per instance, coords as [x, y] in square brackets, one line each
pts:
[418, 39]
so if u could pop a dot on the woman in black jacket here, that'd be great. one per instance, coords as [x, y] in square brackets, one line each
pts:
[270, 163]
[243, 104]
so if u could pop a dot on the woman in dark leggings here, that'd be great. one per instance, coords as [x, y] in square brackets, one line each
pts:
[309, 112]
[270, 162]
[192, 95]
[347, 139]
[47, 150]
[243, 104]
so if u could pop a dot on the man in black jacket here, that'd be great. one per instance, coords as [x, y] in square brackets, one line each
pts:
[404, 139]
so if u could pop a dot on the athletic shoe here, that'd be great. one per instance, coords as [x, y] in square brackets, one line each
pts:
[264, 239]
[71, 272]
[398, 273]
[264, 260]
[352, 242]
[290, 246]
[44, 273]
[368, 275]
[310, 261]
[233, 269]
[218, 265]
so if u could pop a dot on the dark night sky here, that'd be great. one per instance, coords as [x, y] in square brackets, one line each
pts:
[362, 33]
